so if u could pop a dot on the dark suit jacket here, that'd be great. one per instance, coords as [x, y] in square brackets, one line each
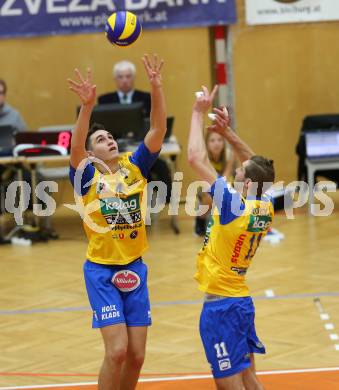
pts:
[138, 96]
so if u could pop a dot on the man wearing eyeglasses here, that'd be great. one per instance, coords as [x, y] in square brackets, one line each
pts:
[9, 116]
[124, 75]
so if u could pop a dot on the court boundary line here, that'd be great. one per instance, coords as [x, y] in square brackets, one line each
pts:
[163, 304]
[176, 378]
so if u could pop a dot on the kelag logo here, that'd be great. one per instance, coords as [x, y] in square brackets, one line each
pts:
[259, 223]
[114, 206]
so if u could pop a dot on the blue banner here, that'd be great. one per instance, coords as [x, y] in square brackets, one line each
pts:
[20, 18]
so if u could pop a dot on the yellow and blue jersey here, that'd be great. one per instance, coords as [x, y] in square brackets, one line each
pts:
[113, 219]
[236, 228]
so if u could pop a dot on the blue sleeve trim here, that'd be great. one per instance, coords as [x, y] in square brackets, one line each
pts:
[87, 175]
[143, 159]
[212, 189]
[227, 200]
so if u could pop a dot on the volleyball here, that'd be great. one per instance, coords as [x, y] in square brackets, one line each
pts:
[123, 28]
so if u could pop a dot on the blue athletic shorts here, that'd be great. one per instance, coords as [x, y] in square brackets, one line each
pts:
[118, 293]
[228, 334]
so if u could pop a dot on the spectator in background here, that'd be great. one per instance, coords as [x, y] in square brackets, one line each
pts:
[9, 116]
[224, 164]
[124, 75]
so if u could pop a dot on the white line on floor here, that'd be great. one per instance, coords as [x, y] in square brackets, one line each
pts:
[176, 378]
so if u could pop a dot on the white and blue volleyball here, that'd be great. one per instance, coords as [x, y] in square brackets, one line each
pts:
[123, 28]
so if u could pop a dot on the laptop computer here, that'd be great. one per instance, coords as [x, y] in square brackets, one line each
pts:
[123, 121]
[6, 140]
[322, 145]
[143, 131]
[61, 138]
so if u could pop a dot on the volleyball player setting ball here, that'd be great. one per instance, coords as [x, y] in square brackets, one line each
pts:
[114, 271]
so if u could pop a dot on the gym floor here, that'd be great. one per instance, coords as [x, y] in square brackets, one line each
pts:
[45, 321]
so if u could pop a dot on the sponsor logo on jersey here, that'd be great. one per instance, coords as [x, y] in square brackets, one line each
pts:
[115, 205]
[260, 211]
[259, 223]
[121, 211]
[126, 280]
[124, 172]
[239, 270]
[119, 236]
[224, 364]
[102, 187]
[134, 235]
[237, 248]
[208, 231]
[109, 312]
[247, 356]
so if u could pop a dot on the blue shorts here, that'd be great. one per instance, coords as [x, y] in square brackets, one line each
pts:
[118, 293]
[228, 334]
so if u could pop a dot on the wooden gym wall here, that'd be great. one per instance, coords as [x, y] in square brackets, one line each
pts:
[281, 74]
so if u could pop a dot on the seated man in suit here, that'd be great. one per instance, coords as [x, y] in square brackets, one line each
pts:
[124, 75]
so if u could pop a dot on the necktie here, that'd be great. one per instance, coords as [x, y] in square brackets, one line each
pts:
[124, 98]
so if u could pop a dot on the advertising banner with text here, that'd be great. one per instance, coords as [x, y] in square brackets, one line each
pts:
[49, 17]
[291, 11]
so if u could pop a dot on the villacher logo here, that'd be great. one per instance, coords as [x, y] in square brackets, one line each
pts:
[126, 280]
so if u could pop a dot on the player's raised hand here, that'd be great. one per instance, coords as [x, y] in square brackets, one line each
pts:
[83, 87]
[153, 67]
[204, 99]
[221, 122]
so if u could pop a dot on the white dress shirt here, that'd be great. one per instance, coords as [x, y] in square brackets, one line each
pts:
[125, 98]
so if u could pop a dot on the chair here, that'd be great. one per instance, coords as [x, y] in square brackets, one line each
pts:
[6, 149]
[161, 169]
[30, 150]
[308, 169]
[58, 173]
[325, 122]
[6, 140]
[57, 128]
[35, 150]
[147, 124]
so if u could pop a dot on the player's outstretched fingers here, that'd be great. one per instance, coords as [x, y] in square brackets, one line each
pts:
[214, 91]
[205, 91]
[220, 121]
[148, 66]
[79, 75]
[155, 60]
[89, 75]
[160, 65]
[73, 83]
[220, 112]
[146, 61]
